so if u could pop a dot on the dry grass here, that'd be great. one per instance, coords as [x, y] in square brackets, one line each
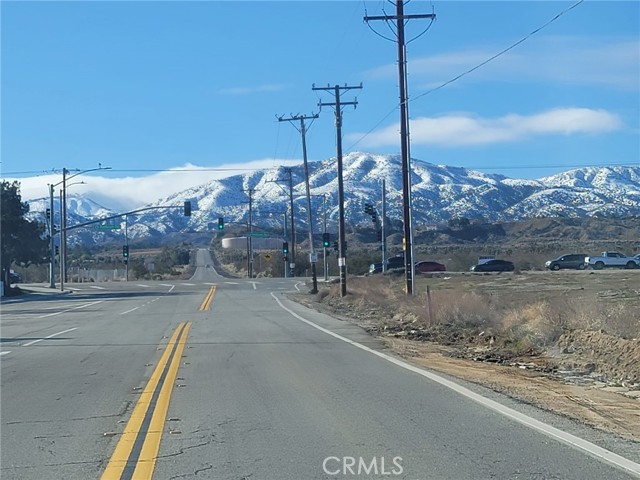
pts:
[517, 310]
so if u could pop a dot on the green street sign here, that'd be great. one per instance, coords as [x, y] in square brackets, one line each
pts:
[259, 234]
[107, 227]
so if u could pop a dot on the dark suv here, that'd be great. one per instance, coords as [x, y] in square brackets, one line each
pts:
[573, 261]
[395, 262]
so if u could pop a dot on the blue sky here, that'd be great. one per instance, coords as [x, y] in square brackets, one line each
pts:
[145, 86]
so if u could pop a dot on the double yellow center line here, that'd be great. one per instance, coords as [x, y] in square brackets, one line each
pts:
[136, 452]
[206, 304]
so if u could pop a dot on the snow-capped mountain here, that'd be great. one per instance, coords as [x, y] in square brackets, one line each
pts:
[438, 194]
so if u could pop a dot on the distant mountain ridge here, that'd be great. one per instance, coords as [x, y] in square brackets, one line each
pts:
[438, 194]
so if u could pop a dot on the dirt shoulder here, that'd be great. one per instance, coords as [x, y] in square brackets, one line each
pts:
[566, 379]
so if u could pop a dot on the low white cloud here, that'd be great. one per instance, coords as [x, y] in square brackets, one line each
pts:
[464, 129]
[127, 193]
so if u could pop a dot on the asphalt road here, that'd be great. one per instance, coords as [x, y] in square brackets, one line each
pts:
[233, 381]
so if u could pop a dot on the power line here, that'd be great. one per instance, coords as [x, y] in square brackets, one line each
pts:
[458, 77]
[511, 47]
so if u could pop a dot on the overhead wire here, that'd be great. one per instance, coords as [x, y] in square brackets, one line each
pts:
[458, 77]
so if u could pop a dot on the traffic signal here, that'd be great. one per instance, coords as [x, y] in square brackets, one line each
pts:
[335, 245]
[368, 208]
[285, 247]
[48, 213]
[326, 239]
[220, 223]
[57, 250]
[379, 234]
[374, 217]
[125, 251]
[187, 208]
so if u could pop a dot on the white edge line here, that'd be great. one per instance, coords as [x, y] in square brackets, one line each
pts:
[553, 432]
[50, 336]
[4, 353]
[70, 309]
[129, 311]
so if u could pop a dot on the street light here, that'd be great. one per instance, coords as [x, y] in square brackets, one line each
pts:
[52, 232]
[63, 222]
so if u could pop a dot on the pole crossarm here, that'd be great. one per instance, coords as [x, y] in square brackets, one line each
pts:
[396, 17]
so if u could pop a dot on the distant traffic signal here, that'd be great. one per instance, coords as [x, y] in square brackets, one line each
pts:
[125, 251]
[220, 223]
[379, 234]
[285, 247]
[187, 208]
[326, 238]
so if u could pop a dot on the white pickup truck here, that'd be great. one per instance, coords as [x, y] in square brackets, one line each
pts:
[612, 259]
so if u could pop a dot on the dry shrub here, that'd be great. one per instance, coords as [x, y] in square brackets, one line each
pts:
[534, 325]
[461, 308]
[325, 292]
[619, 319]
[374, 290]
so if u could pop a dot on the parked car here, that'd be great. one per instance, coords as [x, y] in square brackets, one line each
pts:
[425, 266]
[612, 259]
[395, 262]
[14, 278]
[494, 266]
[572, 260]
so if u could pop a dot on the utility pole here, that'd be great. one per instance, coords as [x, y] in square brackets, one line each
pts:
[52, 248]
[250, 236]
[285, 236]
[63, 232]
[337, 104]
[313, 257]
[292, 264]
[324, 231]
[126, 242]
[383, 244]
[400, 19]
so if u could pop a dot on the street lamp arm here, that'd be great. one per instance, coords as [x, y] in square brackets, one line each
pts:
[80, 173]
